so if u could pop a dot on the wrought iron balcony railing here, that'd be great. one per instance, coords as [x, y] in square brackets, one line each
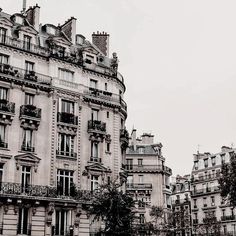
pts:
[96, 159]
[206, 177]
[27, 148]
[144, 168]
[205, 190]
[70, 154]
[3, 144]
[17, 189]
[67, 118]
[30, 111]
[228, 218]
[138, 186]
[6, 106]
[195, 221]
[25, 75]
[96, 126]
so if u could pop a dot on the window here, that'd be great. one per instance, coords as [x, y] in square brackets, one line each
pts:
[213, 161]
[140, 177]
[225, 229]
[205, 163]
[130, 180]
[93, 83]
[106, 86]
[140, 162]
[66, 145]
[2, 135]
[94, 182]
[29, 66]
[3, 35]
[223, 158]
[65, 183]
[23, 221]
[25, 178]
[3, 93]
[65, 75]
[141, 150]
[108, 147]
[4, 58]
[212, 200]
[29, 99]
[26, 42]
[62, 222]
[196, 165]
[94, 150]
[129, 164]
[141, 219]
[223, 212]
[204, 202]
[67, 106]
[27, 144]
[107, 114]
[1, 174]
[94, 114]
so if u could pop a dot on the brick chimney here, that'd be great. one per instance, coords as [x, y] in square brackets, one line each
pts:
[69, 29]
[101, 40]
[32, 15]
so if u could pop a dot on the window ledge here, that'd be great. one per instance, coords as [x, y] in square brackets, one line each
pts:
[109, 153]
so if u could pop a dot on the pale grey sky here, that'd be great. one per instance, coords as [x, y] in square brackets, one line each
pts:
[178, 59]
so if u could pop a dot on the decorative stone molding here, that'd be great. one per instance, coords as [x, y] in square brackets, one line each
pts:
[49, 212]
[28, 159]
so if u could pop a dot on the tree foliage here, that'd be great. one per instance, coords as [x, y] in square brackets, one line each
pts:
[114, 208]
[227, 180]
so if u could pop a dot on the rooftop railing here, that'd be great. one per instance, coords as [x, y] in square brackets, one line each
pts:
[138, 186]
[205, 190]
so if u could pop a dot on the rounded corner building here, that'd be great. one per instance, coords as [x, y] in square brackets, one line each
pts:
[62, 124]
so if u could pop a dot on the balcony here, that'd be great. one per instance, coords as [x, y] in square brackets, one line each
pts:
[228, 218]
[7, 111]
[68, 154]
[27, 148]
[181, 201]
[67, 118]
[40, 191]
[205, 178]
[30, 116]
[19, 76]
[205, 191]
[96, 159]
[97, 130]
[139, 186]
[146, 168]
[3, 144]
[124, 138]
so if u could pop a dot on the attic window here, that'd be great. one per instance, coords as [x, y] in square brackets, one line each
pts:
[51, 30]
[19, 20]
[141, 150]
[89, 59]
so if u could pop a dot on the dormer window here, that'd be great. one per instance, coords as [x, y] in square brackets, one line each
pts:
[196, 165]
[3, 34]
[19, 20]
[51, 30]
[141, 150]
[205, 163]
[26, 42]
[89, 59]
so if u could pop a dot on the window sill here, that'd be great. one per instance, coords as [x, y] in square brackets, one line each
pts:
[108, 153]
[66, 157]
[22, 151]
[5, 149]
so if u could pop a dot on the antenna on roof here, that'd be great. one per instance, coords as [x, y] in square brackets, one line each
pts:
[24, 6]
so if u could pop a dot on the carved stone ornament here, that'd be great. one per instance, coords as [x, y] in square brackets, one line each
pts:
[50, 210]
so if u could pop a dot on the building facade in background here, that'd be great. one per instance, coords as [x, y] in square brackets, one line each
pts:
[206, 203]
[181, 205]
[62, 118]
[148, 177]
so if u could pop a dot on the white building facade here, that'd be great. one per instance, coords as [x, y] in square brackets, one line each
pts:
[62, 118]
[148, 177]
[205, 192]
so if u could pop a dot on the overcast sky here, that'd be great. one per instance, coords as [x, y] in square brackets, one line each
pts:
[178, 59]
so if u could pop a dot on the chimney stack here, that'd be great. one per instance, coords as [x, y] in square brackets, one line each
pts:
[134, 138]
[32, 15]
[101, 40]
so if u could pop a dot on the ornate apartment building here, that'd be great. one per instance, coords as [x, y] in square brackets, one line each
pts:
[62, 117]
[205, 193]
[148, 177]
[181, 205]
